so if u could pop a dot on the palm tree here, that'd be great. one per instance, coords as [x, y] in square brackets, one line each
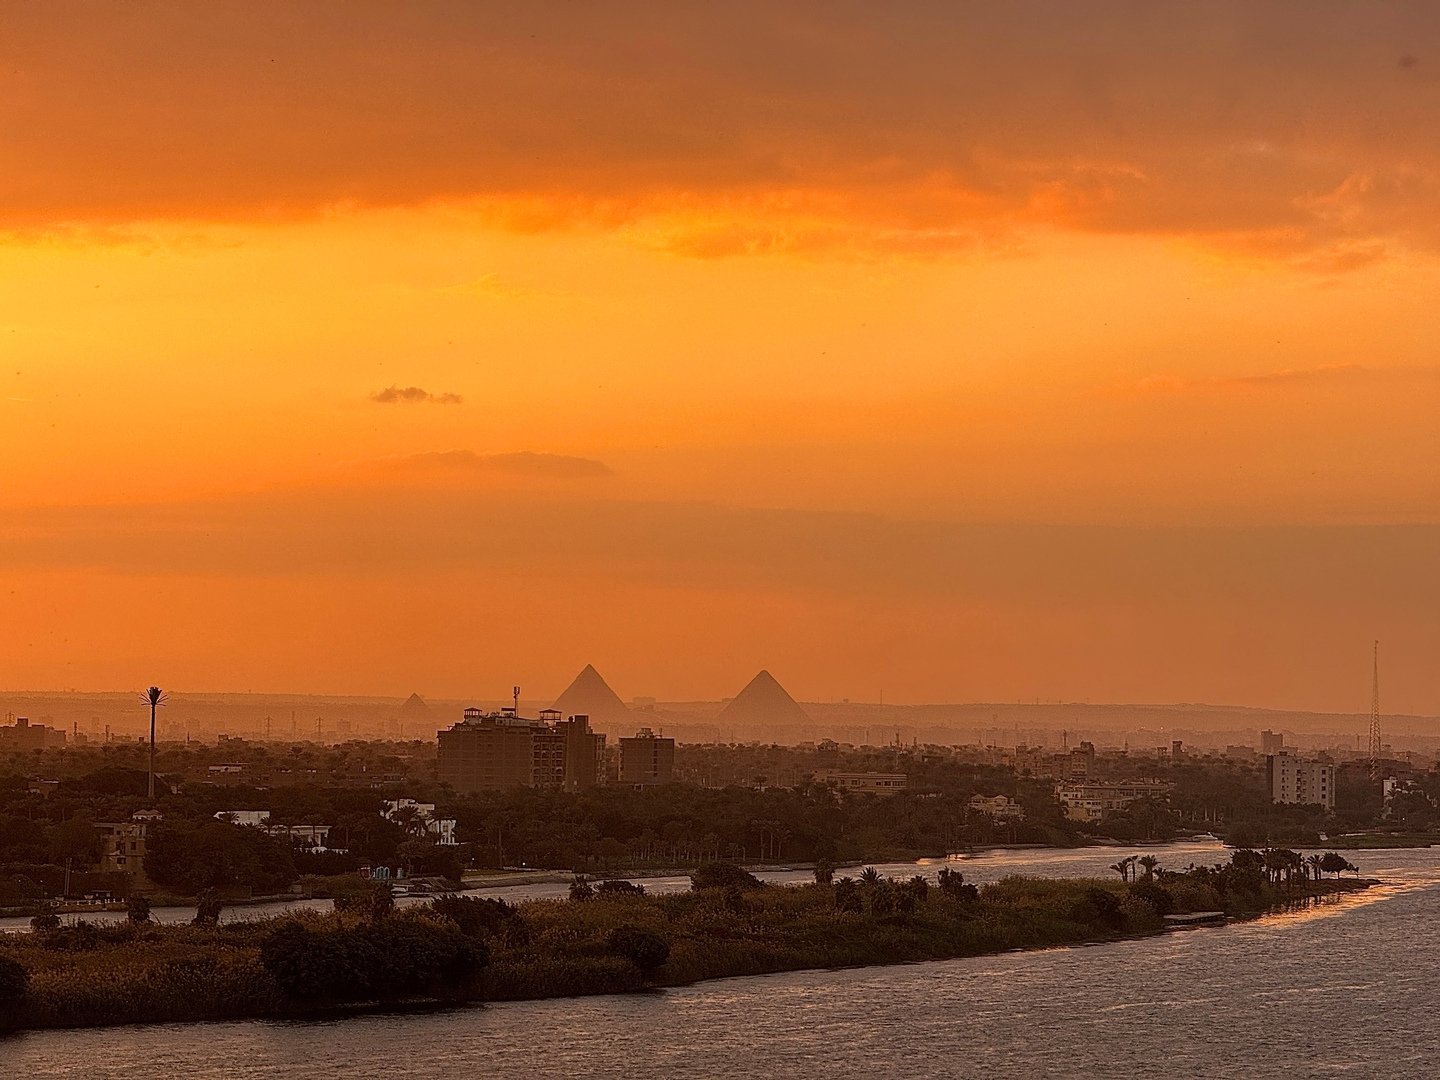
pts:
[153, 697]
[1314, 861]
[1149, 862]
[1122, 868]
[870, 877]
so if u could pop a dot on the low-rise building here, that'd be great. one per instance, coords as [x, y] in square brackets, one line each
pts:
[122, 846]
[1091, 800]
[23, 735]
[996, 806]
[876, 783]
[1080, 762]
[1295, 781]
[647, 759]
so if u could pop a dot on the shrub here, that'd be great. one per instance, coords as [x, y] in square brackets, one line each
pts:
[1139, 913]
[580, 889]
[208, 906]
[14, 980]
[82, 937]
[610, 889]
[475, 915]
[824, 872]
[46, 920]
[723, 875]
[952, 884]
[847, 895]
[1099, 907]
[644, 948]
[137, 909]
[376, 961]
[375, 902]
[1154, 895]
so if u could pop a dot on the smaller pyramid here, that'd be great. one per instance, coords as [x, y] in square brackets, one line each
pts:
[414, 706]
[591, 695]
[763, 701]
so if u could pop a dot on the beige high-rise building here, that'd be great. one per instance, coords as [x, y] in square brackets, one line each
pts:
[1296, 781]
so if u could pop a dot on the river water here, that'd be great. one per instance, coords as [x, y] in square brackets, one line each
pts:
[1345, 988]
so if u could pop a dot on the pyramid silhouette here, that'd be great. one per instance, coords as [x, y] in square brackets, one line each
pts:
[590, 694]
[414, 704]
[763, 701]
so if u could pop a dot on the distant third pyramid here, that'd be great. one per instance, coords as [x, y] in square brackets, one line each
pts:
[763, 701]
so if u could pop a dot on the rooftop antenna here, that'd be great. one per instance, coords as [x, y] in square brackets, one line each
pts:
[155, 697]
[1375, 718]
[516, 695]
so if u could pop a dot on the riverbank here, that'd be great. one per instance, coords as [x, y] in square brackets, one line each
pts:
[481, 949]
[1381, 841]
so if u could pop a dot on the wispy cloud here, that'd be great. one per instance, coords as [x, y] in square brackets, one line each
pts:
[516, 463]
[413, 395]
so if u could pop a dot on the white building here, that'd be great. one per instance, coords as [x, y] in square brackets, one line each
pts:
[1091, 800]
[254, 818]
[1296, 781]
[314, 838]
[997, 806]
[442, 829]
[874, 782]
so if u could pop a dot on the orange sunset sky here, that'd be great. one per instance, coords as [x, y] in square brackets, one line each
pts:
[959, 352]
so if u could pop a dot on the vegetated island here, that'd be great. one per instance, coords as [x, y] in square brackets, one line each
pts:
[609, 937]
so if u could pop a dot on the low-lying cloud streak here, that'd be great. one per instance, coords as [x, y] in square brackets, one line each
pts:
[524, 463]
[413, 395]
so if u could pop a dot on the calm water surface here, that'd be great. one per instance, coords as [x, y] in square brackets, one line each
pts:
[1346, 988]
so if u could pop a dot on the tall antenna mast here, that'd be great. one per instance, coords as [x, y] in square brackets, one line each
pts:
[1375, 719]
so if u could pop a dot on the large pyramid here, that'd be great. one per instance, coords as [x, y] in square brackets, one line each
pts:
[763, 701]
[590, 694]
[415, 706]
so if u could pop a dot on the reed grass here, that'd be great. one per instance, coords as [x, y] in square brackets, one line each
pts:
[551, 948]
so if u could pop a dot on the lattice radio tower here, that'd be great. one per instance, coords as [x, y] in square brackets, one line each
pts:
[1375, 718]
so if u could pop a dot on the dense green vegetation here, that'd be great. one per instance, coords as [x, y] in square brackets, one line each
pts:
[615, 828]
[604, 941]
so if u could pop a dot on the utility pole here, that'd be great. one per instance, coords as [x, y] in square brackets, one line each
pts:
[154, 697]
